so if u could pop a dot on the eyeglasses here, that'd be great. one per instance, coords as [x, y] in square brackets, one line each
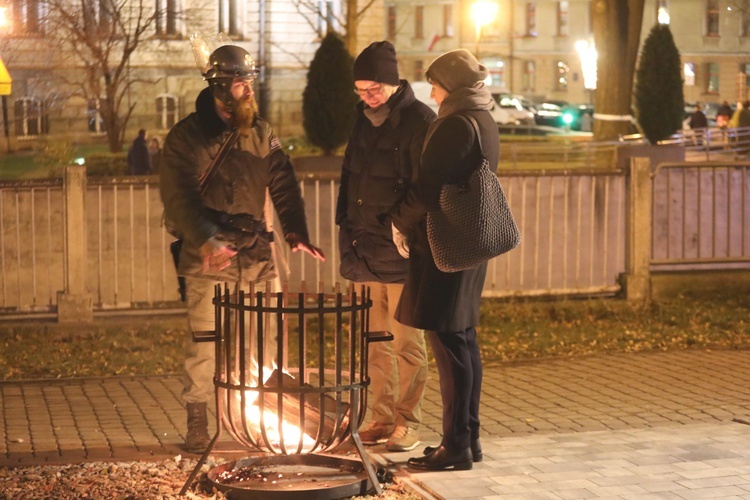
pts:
[369, 91]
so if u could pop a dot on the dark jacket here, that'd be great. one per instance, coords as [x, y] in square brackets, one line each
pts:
[379, 164]
[432, 299]
[256, 162]
[698, 120]
[139, 161]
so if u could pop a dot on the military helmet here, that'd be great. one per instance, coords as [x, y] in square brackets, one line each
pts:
[229, 61]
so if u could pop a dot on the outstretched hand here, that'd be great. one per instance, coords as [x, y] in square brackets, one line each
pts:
[298, 243]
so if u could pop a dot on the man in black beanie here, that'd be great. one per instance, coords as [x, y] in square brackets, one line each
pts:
[380, 163]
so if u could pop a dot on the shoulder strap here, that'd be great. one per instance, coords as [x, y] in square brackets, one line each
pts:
[218, 159]
[475, 126]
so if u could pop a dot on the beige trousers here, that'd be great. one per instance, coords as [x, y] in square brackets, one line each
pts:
[398, 368]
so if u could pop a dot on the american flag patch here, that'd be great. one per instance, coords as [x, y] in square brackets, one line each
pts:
[275, 143]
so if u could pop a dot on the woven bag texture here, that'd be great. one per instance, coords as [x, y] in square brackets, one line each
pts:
[474, 223]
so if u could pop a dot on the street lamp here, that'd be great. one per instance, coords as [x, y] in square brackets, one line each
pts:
[483, 12]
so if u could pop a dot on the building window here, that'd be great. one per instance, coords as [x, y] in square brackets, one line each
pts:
[529, 76]
[327, 12]
[745, 27]
[745, 69]
[662, 11]
[391, 26]
[31, 117]
[496, 68]
[95, 121]
[712, 78]
[231, 18]
[562, 19]
[418, 70]
[562, 75]
[712, 17]
[419, 21]
[688, 73]
[530, 18]
[166, 110]
[27, 16]
[166, 21]
[447, 20]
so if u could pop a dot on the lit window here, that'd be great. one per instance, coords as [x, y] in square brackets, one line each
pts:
[27, 16]
[530, 19]
[166, 110]
[529, 76]
[391, 9]
[562, 19]
[231, 17]
[562, 75]
[447, 20]
[712, 78]
[167, 15]
[496, 69]
[419, 21]
[31, 117]
[712, 18]
[688, 70]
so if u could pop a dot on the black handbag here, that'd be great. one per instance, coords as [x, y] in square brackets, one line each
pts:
[473, 223]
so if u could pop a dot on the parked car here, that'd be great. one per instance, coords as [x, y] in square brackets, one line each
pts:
[513, 106]
[548, 114]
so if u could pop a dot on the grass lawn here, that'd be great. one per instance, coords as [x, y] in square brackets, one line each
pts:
[509, 331]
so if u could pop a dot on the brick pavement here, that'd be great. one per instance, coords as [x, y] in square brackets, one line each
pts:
[666, 425]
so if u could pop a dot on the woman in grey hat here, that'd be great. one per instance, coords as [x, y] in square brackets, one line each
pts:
[446, 305]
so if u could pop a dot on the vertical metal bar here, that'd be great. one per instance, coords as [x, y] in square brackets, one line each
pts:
[100, 243]
[131, 217]
[668, 175]
[536, 232]
[49, 246]
[592, 225]
[684, 227]
[2, 247]
[18, 251]
[729, 205]
[566, 187]
[334, 246]
[146, 193]
[713, 213]
[33, 249]
[301, 259]
[579, 216]
[163, 258]
[744, 208]
[521, 267]
[620, 232]
[550, 229]
[317, 228]
[115, 248]
[605, 236]
[699, 224]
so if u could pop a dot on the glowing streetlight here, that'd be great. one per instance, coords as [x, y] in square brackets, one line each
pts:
[483, 12]
[587, 53]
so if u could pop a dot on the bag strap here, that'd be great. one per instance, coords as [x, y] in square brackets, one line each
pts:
[218, 159]
[473, 122]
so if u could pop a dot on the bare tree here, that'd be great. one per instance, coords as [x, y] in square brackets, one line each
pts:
[96, 40]
[348, 22]
[617, 33]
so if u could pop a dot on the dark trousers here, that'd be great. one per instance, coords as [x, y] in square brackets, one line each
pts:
[459, 366]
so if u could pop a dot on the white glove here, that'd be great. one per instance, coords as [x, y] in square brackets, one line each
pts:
[399, 239]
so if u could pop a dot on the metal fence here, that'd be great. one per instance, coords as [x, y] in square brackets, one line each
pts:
[572, 224]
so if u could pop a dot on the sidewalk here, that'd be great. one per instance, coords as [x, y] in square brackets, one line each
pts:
[666, 425]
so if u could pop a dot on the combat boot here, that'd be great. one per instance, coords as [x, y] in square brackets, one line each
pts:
[197, 439]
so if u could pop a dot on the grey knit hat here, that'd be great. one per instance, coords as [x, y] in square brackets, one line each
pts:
[455, 69]
[377, 63]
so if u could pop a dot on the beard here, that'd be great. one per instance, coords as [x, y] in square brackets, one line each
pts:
[245, 112]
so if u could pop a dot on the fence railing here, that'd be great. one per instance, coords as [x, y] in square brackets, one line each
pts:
[574, 226]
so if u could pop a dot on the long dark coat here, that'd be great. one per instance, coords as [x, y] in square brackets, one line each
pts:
[432, 299]
[379, 165]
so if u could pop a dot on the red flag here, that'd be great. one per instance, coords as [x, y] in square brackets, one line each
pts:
[435, 39]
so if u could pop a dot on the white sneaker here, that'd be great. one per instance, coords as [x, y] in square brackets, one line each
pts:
[404, 438]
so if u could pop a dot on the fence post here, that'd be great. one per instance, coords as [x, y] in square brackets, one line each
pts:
[74, 304]
[636, 281]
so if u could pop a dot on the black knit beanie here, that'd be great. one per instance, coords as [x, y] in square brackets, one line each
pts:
[377, 63]
[455, 69]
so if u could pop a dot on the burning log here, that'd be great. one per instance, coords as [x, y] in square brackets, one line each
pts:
[319, 416]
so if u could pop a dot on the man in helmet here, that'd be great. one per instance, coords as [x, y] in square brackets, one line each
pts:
[222, 223]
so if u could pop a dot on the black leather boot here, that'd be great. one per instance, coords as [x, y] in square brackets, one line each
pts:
[442, 458]
[476, 450]
[197, 439]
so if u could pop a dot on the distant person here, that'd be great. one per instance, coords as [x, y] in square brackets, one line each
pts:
[698, 118]
[723, 115]
[139, 160]
[743, 120]
[154, 152]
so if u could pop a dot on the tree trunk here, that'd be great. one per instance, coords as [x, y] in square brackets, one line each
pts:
[617, 33]
[350, 35]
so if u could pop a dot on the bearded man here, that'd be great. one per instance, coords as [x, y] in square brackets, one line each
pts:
[219, 216]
